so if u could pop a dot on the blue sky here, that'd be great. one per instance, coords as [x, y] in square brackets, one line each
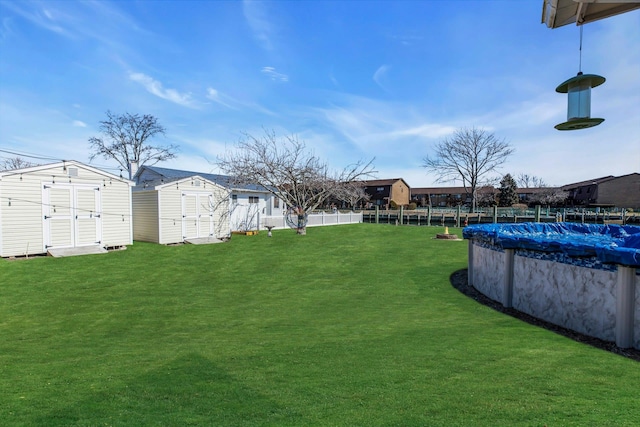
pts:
[353, 79]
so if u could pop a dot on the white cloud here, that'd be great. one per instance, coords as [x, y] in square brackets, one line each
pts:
[236, 104]
[380, 75]
[257, 17]
[156, 88]
[427, 130]
[41, 17]
[333, 79]
[219, 98]
[78, 123]
[274, 75]
[6, 29]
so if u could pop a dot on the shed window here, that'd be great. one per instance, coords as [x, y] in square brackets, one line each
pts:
[276, 202]
[253, 199]
[234, 198]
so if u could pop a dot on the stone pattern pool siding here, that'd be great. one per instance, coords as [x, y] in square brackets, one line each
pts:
[579, 293]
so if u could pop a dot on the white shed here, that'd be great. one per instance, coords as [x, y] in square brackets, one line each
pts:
[187, 208]
[247, 203]
[63, 205]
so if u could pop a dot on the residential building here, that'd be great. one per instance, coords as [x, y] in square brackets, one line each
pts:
[382, 192]
[247, 202]
[608, 191]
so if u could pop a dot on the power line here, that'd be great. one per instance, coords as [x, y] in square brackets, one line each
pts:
[32, 156]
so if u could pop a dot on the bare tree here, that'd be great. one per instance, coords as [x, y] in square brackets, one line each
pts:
[351, 193]
[15, 163]
[486, 196]
[287, 170]
[470, 155]
[126, 141]
[550, 196]
[530, 181]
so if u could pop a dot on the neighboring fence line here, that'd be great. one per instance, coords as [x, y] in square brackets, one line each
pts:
[456, 217]
[313, 220]
[459, 218]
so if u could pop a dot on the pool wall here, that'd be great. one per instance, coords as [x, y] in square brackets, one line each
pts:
[583, 294]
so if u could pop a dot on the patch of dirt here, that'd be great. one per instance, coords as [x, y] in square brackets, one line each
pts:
[25, 257]
[459, 281]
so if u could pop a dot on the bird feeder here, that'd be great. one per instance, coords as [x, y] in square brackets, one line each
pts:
[578, 89]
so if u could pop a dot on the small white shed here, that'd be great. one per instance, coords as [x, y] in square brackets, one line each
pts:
[246, 203]
[187, 208]
[63, 205]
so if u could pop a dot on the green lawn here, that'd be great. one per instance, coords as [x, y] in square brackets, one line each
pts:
[352, 325]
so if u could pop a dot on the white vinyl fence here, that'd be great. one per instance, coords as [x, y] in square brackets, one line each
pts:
[314, 219]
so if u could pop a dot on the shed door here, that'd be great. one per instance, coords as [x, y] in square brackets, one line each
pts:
[87, 216]
[197, 215]
[71, 215]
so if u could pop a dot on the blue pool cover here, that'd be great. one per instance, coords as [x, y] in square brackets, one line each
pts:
[617, 244]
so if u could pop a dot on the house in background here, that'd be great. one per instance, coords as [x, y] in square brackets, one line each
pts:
[384, 191]
[245, 203]
[439, 196]
[485, 196]
[608, 191]
[63, 206]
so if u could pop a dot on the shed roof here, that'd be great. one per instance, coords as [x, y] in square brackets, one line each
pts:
[64, 164]
[170, 175]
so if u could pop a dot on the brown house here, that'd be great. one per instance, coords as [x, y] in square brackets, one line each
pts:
[452, 196]
[609, 191]
[439, 196]
[384, 191]
[485, 195]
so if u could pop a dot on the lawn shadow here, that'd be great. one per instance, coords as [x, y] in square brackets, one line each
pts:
[459, 281]
[188, 391]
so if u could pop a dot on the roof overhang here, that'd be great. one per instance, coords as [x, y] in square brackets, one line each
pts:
[556, 13]
[189, 181]
[65, 164]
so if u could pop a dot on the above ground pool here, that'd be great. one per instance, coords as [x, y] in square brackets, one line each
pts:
[579, 276]
[615, 244]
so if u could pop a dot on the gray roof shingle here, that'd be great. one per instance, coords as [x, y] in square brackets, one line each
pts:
[168, 175]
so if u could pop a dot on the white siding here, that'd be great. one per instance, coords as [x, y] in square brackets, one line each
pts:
[221, 225]
[245, 215]
[170, 203]
[22, 221]
[158, 212]
[21, 225]
[117, 215]
[145, 216]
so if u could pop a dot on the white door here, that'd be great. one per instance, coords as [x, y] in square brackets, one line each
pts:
[87, 216]
[197, 215]
[71, 215]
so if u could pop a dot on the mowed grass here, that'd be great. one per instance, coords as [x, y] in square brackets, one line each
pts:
[352, 325]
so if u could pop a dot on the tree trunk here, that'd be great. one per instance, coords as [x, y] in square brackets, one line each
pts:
[302, 226]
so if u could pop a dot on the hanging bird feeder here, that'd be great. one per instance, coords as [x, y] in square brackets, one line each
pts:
[578, 89]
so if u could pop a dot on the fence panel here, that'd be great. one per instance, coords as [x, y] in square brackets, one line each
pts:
[313, 220]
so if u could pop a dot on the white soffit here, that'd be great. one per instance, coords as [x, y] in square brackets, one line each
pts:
[556, 13]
